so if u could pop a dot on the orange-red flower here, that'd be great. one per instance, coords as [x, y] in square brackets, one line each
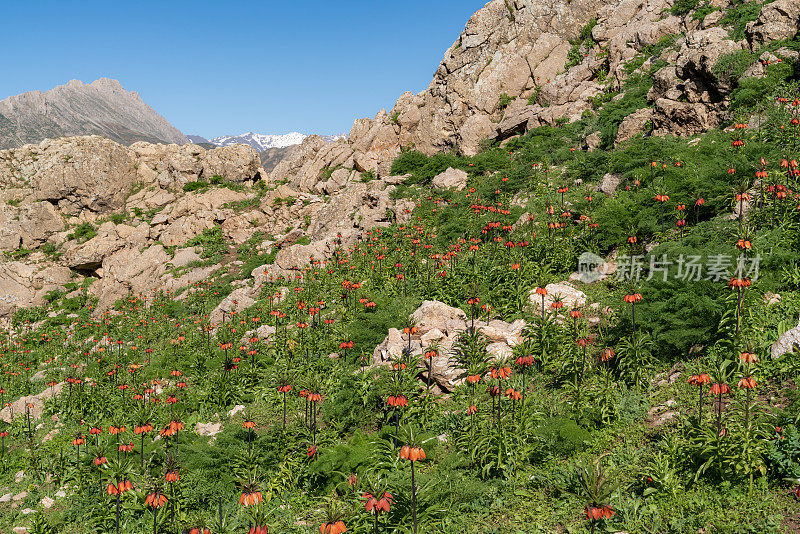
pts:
[501, 373]
[413, 454]
[334, 527]
[748, 357]
[720, 389]
[524, 361]
[747, 383]
[377, 505]
[397, 401]
[155, 500]
[595, 513]
[632, 298]
[250, 498]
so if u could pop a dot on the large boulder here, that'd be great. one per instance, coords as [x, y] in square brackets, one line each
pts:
[235, 163]
[28, 225]
[778, 20]
[23, 286]
[440, 325]
[787, 343]
[610, 183]
[130, 270]
[239, 300]
[89, 255]
[75, 173]
[633, 125]
[451, 179]
[434, 314]
[568, 293]
[32, 404]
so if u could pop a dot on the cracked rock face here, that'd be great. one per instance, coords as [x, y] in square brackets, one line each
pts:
[142, 220]
[507, 48]
[507, 73]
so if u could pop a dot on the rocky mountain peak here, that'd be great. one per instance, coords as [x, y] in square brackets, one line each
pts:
[102, 107]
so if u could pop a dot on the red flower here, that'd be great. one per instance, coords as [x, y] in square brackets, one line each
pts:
[525, 361]
[747, 382]
[250, 498]
[378, 505]
[720, 389]
[334, 527]
[155, 500]
[412, 453]
[501, 373]
[748, 357]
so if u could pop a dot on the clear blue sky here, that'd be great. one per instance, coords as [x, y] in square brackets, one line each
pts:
[214, 68]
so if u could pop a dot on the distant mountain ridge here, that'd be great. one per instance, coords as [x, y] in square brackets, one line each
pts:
[260, 142]
[102, 107]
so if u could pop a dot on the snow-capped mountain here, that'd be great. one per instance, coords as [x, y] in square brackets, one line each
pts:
[259, 141]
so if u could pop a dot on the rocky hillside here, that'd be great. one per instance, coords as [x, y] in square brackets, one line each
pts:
[102, 107]
[128, 218]
[519, 64]
[87, 206]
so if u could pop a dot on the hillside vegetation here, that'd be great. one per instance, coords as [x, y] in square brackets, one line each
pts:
[656, 402]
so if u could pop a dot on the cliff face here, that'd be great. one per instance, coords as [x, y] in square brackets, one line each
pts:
[521, 64]
[102, 107]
